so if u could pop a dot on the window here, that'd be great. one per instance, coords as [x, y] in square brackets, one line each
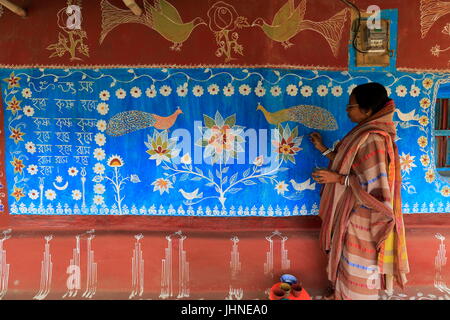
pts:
[442, 131]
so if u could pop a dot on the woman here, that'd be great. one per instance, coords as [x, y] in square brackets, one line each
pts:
[362, 225]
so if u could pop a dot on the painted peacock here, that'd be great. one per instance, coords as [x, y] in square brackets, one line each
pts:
[130, 121]
[310, 116]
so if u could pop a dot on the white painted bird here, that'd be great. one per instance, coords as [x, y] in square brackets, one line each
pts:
[191, 195]
[407, 116]
[306, 185]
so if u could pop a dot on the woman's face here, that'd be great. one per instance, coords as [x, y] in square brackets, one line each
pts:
[354, 112]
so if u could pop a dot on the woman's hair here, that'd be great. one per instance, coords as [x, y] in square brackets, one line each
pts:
[371, 96]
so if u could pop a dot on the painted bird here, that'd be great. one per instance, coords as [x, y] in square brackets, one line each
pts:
[130, 121]
[310, 116]
[430, 12]
[407, 116]
[161, 17]
[306, 185]
[191, 195]
[289, 21]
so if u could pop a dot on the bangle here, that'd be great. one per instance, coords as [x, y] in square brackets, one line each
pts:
[327, 152]
[346, 181]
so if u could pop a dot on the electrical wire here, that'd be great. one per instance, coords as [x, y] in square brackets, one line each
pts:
[355, 32]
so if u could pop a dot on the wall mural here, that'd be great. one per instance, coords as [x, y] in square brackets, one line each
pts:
[203, 141]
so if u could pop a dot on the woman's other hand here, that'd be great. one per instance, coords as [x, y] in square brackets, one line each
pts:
[316, 140]
[327, 176]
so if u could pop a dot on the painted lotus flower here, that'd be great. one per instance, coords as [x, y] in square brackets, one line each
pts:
[221, 138]
[16, 135]
[407, 162]
[162, 185]
[18, 193]
[13, 81]
[161, 148]
[14, 105]
[287, 143]
[115, 161]
[18, 165]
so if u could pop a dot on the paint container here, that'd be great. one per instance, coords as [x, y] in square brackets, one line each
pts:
[296, 289]
[278, 294]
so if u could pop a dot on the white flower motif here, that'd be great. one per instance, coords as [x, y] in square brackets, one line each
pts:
[28, 111]
[76, 194]
[135, 92]
[182, 90]
[415, 91]
[30, 147]
[101, 125]
[72, 171]
[275, 91]
[198, 91]
[213, 89]
[228, 90]
[151, 92]
[401, 91]
[98, 200]
[32, 169]
[33, 194]
[292, 90]
[104, 95]
[350, 88]
[165, 90]
[407, 162]
[306, 91]
[99, 168]
[99, 188]
[186, 159]
[162, 185]
[50, 194]
[99, 154]
[322, 90]
[59, 179]
[281, 187]
[259, 161]
[26, 93]
[260, 91]
[244, 89]
[120, 93]
[336, 91]
[100, 139]
[102, 108]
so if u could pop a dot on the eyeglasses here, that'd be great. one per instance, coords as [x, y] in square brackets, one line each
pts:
[349, 106]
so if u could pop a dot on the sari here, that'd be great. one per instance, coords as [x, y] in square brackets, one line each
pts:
[362, 225]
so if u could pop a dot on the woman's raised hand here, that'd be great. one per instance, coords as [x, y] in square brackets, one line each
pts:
[316, 140]
[326, 176]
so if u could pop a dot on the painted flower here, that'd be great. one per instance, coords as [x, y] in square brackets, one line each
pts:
[135, 92]
[436, 50]
[213, 89]
[337, 91]
[197, 91]
[425, 103]
[13, 81]
[228, 90]
[281, 187]
[244, 89]
[260, 91]
[423, 120]
[275, 91]
[292, 90]
[13, 105]
[28, 111]
[50, 194]
[161, 148]
[99, 188]
[306, 91]
[430, 176]
[104, 95]
[162, 185]
[120, 93]
[407, 162]
[259, 161]
[32, 169]
[72, 171]
[98, 200]
[102, 108]
[101, 125]
[100, 139]
[151, 92]
[165, 90]
[287, 143]
[445, 191]
[182, 90]
[26, 93]
[350, 88]
[427, 83]
[425, 160]
[401, 91]
[99, 168]
[99, 154]
[30, 147]
[115, 161]
[222, 138]
[76, 194]
[16, 135]
[422, 141]
[18, 165]
[18, 193]
[322, 90]
[33, 194]
[414, 92]
[59, 179]
[186, 159]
